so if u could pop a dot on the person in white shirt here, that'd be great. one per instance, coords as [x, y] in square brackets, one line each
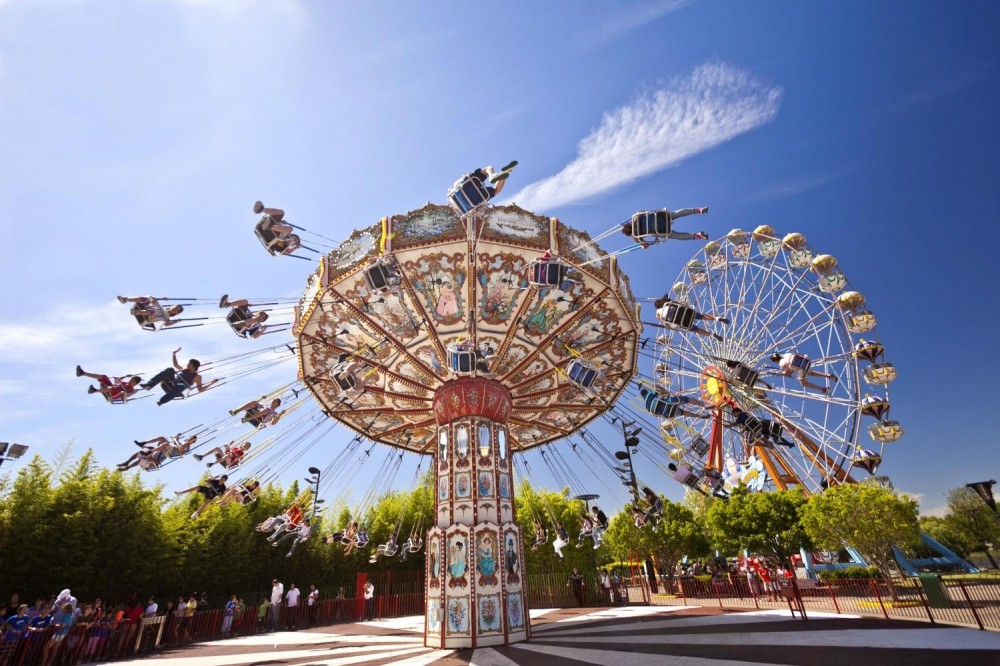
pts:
[312, 602]
[151, 608]
[277, 590]
[369, 600]
[292, 601]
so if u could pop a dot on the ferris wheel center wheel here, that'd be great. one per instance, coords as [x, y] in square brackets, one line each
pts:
[777, 350]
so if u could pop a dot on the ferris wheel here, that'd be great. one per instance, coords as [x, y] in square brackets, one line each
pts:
[768, 369]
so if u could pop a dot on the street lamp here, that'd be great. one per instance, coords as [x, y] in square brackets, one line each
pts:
[313, 481]
[10, 451]
[631, 442]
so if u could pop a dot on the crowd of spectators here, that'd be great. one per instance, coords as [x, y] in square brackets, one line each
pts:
[63, 615]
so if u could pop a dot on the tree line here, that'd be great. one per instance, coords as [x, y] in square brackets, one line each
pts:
[104, 533]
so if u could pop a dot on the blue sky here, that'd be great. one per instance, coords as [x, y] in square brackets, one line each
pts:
[135, 136]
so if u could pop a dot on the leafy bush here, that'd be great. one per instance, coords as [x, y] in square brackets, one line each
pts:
[850, 573]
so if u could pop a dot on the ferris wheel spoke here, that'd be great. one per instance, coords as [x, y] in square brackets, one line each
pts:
[779, 309]
[759, 275]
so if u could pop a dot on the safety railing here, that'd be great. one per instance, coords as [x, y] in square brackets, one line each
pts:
[974, 603]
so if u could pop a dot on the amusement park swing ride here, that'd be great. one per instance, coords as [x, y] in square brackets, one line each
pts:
[471, 333]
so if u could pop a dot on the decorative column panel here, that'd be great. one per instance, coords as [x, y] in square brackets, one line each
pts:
[475, 594]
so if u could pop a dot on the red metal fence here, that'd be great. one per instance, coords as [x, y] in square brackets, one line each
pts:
[974, 603]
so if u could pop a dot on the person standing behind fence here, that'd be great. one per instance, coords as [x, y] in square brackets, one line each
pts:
[369, 601]
[277, 590]
[605, 582]
[292, 601]
[338, 603]
[227, 617]
[576, 582]
[312, 602]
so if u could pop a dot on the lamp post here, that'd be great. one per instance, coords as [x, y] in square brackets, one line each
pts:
[313, 482]
[10, 451]
[631, 441]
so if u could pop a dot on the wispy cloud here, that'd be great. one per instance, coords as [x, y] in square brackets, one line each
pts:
[659, 129]
[633, 18]
[794, 187]
[935, 89]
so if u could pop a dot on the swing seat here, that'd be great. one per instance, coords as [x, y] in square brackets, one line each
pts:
[266, 235]
[753, 428]
[686, 476]
[462, 361]
[699, 446]
[663, 408]
[745, 375]
[274, 242]
[772, 430]
[382, 275]
[150, 316]
[677, 315]
[800, 366]
[467, 194]
[581, 373]
[246, 497]
[149, 464]
[344, 379]
[647, 223]
[546, 273]
[237, 319]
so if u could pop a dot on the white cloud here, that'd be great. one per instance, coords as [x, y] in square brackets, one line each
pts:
[794, 187]
[634, 18]
[658, 130]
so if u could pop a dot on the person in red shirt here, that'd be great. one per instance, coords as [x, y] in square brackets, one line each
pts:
[115, 390]
[229, 456]
[135, 611]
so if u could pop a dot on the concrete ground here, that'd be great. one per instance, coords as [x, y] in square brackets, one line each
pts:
[633, 636]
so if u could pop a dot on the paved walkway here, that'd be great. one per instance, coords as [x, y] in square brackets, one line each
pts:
[635, 636]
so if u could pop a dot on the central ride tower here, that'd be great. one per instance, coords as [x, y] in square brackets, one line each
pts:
[468, 333]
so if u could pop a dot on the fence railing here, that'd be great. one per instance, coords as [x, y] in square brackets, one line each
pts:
[974, 603]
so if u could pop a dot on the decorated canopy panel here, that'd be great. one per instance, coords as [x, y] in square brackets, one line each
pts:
[375, 357]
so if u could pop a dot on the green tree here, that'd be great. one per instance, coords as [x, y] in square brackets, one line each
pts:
[866, 516]
[972, 521]
[677, 534]
[548, 507]
[944, 531]
[758, 523]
